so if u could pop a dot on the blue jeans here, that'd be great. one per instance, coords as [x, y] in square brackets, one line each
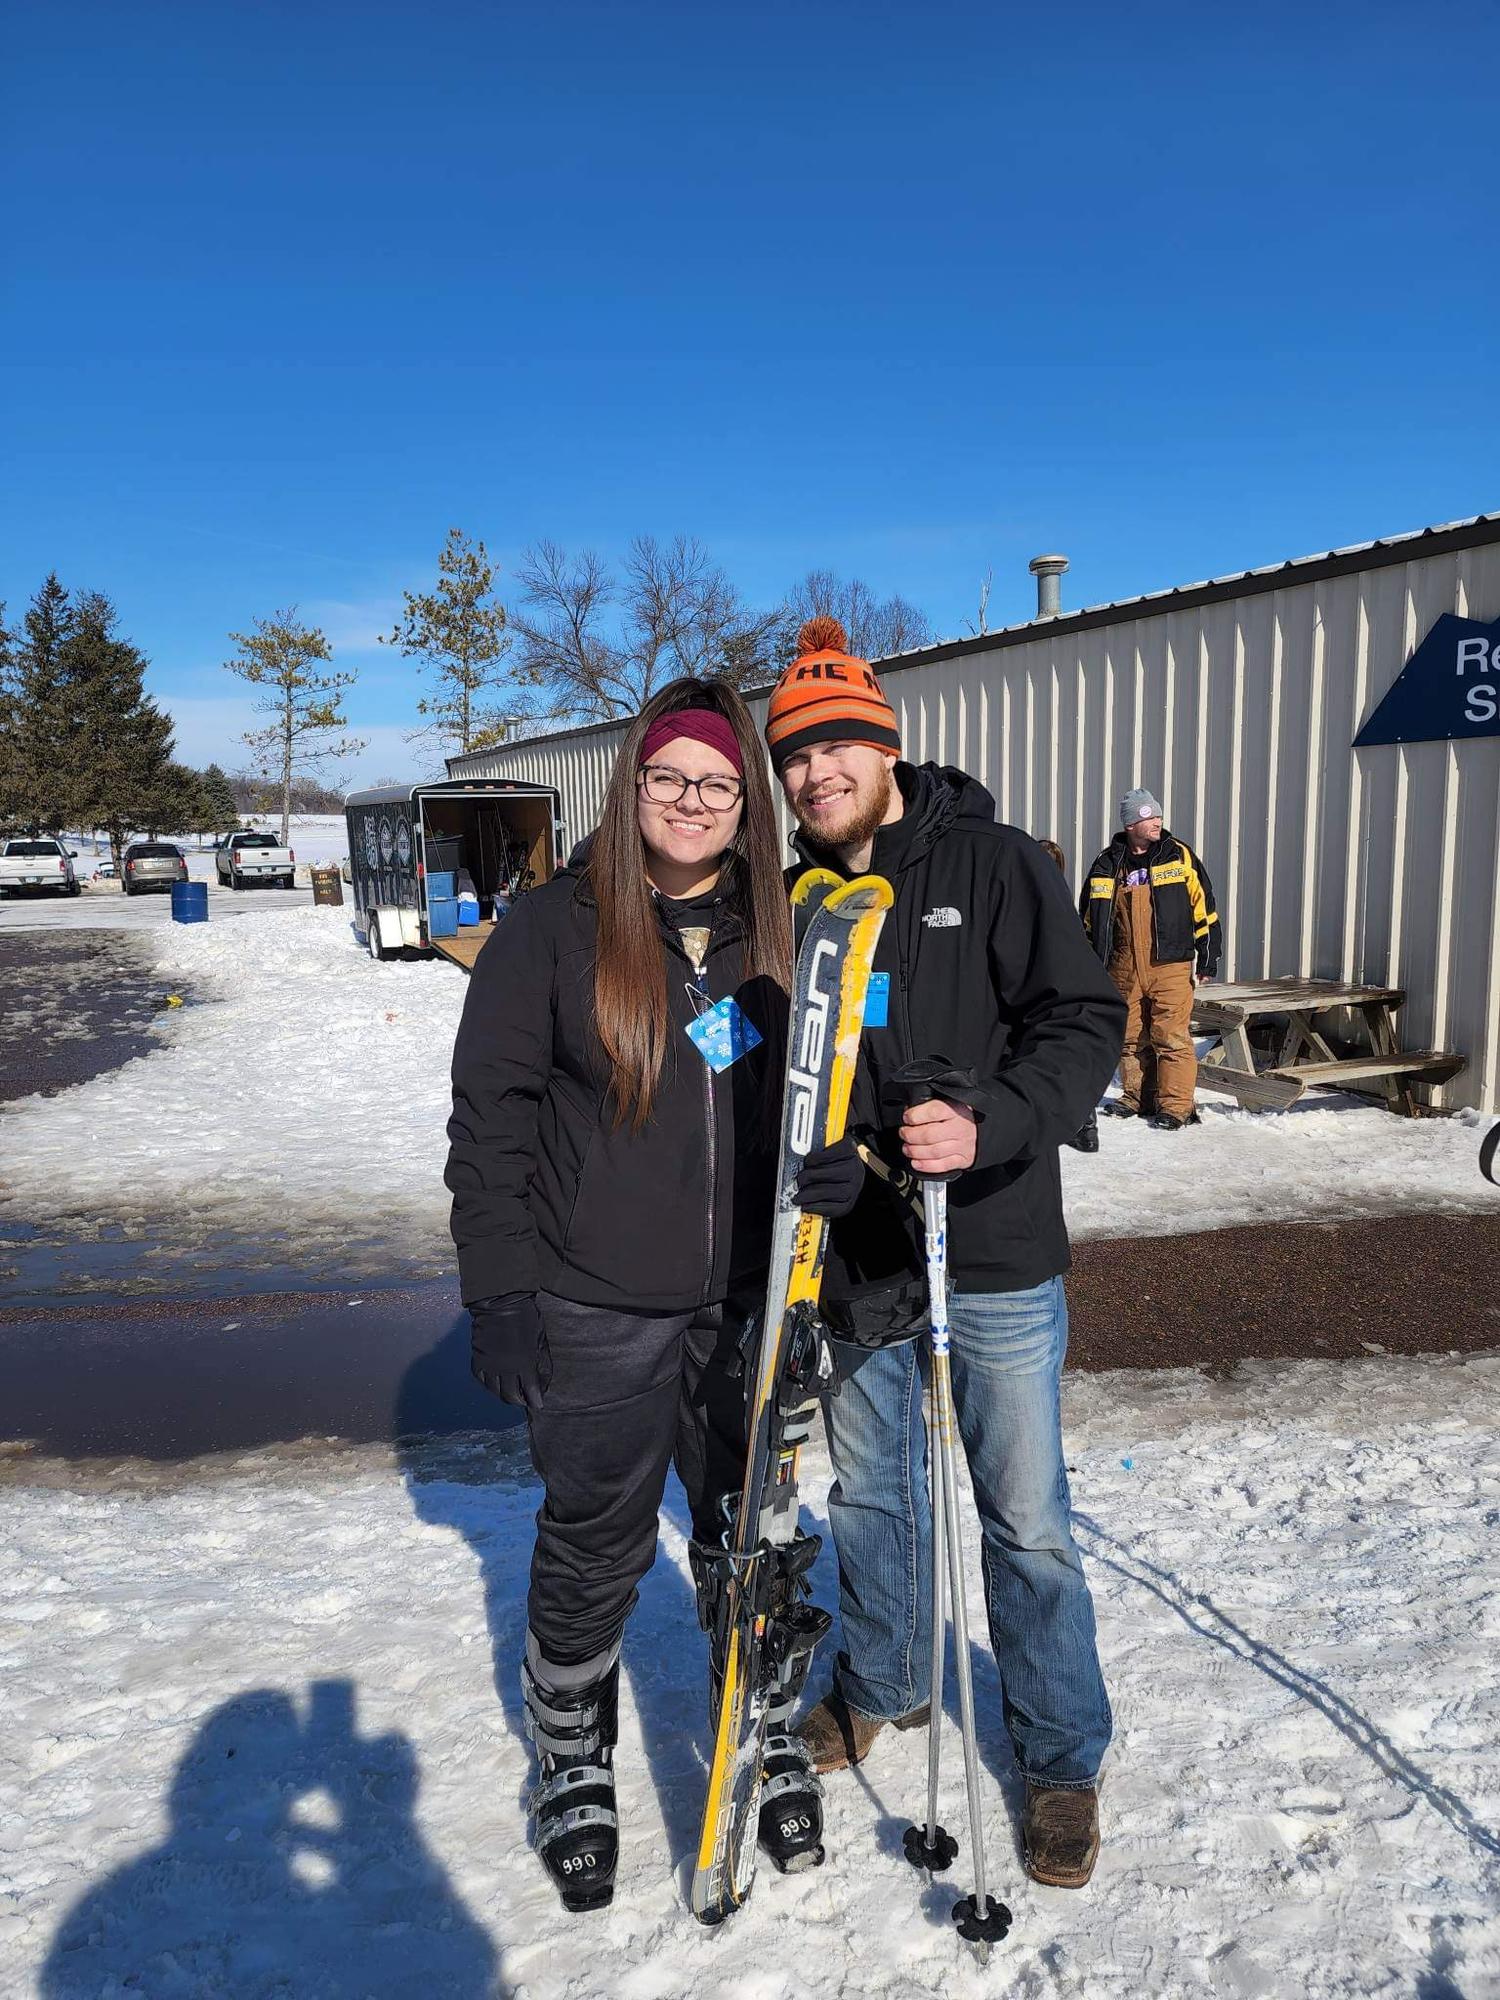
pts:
[1007, 1357]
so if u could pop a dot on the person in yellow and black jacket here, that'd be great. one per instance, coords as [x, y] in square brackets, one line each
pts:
[1148, 907]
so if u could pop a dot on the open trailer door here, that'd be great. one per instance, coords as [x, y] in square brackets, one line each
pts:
[485, 843]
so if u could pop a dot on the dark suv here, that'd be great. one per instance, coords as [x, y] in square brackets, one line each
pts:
[153, 864]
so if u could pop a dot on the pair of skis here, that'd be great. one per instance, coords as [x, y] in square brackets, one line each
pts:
[753, 1592]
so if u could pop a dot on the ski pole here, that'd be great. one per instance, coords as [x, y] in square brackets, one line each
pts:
[979, 1918]
[937, 1850]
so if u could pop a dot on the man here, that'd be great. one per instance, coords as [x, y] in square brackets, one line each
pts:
[1149, 909]
[984, 964]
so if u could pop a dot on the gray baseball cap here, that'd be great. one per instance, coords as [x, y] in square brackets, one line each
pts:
[1139, 805]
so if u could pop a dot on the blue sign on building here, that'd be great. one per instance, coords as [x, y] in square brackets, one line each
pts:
[1449, 687]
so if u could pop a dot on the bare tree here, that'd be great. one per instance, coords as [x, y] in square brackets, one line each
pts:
[457, 632]
[676, 612]
[306, 706]
[985, 588]
[877, 627]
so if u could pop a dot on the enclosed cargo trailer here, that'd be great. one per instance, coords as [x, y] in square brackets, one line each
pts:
[418, 854]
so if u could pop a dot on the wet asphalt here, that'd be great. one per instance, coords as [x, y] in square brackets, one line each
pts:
[73, 1005]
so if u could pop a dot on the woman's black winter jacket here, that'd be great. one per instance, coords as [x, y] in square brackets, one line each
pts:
[550, 1192]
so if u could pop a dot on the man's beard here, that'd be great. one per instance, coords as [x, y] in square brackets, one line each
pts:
[866, 816]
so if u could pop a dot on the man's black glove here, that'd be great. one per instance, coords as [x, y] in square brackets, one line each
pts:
[509, 1352]
[830, 1181]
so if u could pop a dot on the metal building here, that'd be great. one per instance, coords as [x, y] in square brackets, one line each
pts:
[1239, 700]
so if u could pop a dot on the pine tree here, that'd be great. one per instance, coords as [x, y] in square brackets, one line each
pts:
[220, 813]
[117, 744]
[38, 771]
[458, 633]
[282, 656]
[10, 722]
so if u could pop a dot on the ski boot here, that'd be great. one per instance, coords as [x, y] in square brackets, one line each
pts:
[791, 1795]
[577, 1832]
[790, 1827]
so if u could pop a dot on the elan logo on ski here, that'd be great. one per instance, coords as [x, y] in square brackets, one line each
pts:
[806, 1072]
[943, 918]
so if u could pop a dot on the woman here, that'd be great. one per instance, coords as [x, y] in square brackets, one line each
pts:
[613, 1168]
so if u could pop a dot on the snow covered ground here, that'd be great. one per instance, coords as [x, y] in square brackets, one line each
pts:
[253, 1746]
[308, 1087]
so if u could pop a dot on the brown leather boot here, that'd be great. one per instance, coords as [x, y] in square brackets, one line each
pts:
[837, 1735]
[1060, 1835]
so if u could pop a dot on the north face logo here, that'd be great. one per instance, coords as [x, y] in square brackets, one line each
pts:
[942, 919]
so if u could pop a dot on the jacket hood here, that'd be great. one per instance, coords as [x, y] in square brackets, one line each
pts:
[937, 796]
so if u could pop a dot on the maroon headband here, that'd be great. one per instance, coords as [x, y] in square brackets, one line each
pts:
[702, 725]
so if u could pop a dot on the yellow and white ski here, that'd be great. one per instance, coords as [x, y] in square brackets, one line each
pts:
[753, 1597]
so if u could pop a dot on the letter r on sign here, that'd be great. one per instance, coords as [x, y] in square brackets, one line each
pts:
[1473, 652]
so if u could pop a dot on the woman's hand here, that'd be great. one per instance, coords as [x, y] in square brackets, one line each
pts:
[508, 1349]
[830, 1180]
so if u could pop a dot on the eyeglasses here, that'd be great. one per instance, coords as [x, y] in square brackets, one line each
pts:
[664, 787]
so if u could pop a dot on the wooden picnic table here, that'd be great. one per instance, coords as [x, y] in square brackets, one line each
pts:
[1304, 1056]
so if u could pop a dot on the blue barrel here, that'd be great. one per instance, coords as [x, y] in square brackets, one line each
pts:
[190, 902]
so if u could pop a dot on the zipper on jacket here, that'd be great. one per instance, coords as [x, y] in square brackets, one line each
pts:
[710, 1103]
[711, 1147]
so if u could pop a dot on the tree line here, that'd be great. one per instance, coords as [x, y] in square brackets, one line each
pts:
[83, 745]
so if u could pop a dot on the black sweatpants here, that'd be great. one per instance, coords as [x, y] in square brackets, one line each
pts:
[630, 1394]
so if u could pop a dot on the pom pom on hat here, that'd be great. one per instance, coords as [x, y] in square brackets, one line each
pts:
[821, 635]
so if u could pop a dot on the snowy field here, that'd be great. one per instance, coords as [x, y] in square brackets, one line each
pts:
[307, 1087]
[255, 1747]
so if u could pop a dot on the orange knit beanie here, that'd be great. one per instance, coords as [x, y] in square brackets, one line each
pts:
[827, 696]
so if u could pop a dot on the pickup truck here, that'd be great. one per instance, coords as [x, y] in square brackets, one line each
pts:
[37, 867]
[243, 859]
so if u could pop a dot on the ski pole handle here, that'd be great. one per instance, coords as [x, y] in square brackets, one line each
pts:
[928, 1077]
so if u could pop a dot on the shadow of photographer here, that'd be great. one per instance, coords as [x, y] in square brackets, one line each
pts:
[292, 1864]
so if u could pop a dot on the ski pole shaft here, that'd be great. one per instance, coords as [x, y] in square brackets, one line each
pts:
[939, 1617]
[959, 1597]
[935, 1231]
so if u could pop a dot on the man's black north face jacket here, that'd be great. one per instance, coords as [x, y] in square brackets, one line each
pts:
[989, 967]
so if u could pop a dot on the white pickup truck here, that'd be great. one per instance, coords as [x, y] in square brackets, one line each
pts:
[243, 859]
[37, 867]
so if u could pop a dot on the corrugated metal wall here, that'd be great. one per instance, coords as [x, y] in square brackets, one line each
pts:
[1381, 864]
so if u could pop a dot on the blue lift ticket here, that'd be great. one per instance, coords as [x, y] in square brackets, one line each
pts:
[723, 1033]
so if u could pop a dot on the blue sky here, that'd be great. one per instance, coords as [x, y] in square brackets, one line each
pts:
[909, 292]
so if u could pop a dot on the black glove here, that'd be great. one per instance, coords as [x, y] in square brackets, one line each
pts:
[509, 1352]
[830, 1181]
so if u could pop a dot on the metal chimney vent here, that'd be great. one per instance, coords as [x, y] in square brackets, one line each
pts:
[1047, 570]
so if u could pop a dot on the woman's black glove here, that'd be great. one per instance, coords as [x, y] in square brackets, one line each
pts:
[509, 1352]
[830, 1181]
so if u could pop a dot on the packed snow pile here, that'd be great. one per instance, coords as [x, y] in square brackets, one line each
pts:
[310, 1089]
[255, 1747]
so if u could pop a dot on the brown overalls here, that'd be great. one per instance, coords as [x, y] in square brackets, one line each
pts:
[1159, 1067]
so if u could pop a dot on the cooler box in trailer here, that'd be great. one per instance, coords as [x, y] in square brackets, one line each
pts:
[442, 917]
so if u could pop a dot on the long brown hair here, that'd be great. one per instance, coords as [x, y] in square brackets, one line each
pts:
[630, 977]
